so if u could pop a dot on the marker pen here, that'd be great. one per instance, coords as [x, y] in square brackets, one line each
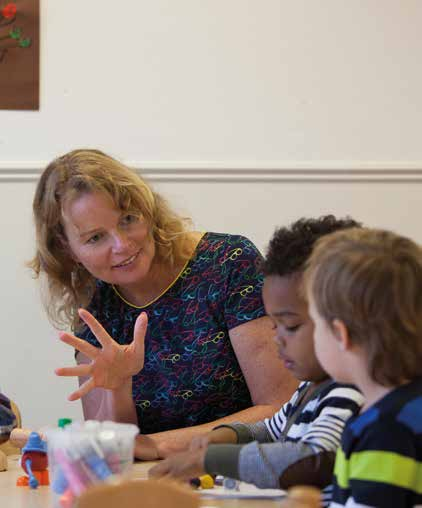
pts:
[93, 457]
[75, 476]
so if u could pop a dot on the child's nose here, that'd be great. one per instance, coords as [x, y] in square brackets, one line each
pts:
[279, 339]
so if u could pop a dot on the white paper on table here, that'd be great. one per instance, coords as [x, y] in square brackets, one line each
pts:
[246, 490]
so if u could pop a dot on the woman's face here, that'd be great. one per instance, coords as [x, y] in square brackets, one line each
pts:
[114, 246]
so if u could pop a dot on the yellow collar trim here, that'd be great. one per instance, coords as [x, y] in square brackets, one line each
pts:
[164, 290]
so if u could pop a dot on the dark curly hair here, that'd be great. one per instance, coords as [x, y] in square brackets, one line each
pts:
[290, 247]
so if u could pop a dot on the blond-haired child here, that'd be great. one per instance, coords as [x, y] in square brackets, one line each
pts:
[365, 293]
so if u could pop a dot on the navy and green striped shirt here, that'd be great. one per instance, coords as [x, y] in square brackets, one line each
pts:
[379, 463]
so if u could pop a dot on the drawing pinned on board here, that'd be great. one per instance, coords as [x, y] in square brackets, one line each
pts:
[19, 54]
[8, 16]
[9, 11]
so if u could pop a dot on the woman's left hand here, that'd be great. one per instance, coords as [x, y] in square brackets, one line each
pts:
[111, 365]
[184, 466]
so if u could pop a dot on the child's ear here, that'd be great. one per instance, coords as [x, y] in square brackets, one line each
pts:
[341, 334]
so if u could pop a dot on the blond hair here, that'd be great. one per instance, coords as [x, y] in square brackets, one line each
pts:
[372, 281]
[69, 285]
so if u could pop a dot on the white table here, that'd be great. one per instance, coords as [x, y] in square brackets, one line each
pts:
[12, 496]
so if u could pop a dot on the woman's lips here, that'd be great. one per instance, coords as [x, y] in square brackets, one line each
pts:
[128, 261]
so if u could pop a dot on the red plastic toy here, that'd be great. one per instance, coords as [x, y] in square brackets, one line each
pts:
[34, 462]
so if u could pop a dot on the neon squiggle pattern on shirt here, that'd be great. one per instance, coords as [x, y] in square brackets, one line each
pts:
[191, 374]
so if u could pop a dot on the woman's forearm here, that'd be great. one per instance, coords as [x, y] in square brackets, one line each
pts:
[123, 407]
[116, 405]
[177, 440]
[101, 404]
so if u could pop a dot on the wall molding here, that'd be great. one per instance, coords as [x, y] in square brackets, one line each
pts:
[244, 172]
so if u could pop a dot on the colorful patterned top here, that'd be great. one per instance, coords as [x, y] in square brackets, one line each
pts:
[379, 463]
[7, 417]
[191, 374]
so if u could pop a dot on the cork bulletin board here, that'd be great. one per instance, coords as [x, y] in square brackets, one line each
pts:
[19, 54]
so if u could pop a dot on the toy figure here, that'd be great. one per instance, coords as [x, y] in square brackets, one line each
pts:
[34, 462]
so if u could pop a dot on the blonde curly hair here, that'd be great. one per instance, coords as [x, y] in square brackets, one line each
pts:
[68, 285]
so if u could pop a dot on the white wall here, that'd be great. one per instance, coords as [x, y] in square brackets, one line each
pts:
[226, 80]
[246, 114]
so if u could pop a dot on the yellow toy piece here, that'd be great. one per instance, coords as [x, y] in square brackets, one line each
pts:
[207, 481]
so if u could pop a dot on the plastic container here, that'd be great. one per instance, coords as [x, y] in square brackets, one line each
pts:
[85, 454]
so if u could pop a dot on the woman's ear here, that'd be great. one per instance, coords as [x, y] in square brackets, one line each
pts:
[341, 334]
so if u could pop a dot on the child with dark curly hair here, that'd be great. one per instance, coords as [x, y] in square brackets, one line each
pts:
[298, 444]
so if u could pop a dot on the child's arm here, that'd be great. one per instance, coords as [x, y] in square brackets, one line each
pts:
[235, 433]
[222, 434]
[186, 465]
[307, 460]
[242, 433]
[273, 465]
[306, 457]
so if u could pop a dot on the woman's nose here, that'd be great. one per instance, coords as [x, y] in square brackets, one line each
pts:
[121, 241]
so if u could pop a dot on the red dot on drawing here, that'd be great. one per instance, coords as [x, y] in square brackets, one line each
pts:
[9, 11]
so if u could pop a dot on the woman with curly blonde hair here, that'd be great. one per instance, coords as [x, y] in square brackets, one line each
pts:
[114, 256]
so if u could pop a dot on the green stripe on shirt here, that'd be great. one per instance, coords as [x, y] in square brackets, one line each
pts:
[379, 466]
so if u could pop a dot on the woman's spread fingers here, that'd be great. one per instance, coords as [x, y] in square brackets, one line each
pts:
[96, 328]
[84, 347]
[83, 390]
[80, 370]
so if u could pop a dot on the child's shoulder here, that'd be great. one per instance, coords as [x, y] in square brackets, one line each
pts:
[299, 392]
[400, 411]
[403, 405]
[338, 393]
[385, 436]
[332, 400]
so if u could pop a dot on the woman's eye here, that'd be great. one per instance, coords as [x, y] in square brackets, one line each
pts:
[94, 238]
[129, 219]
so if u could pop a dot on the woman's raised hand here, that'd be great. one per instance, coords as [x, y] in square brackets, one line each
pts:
[112, 364]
